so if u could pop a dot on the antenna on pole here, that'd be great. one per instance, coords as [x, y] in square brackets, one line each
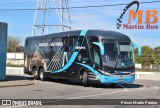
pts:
[51, 16]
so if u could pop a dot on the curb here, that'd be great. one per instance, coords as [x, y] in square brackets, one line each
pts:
[16, 85]
[25, 82]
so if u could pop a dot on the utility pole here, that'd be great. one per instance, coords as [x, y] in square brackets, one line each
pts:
[51, 16]
[61, 3]
[44, 16]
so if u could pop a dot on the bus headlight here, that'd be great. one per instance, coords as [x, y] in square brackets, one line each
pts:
[104, 72]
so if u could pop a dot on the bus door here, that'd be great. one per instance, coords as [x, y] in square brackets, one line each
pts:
[96, 56]
[65, 50]
[80, 46]
[83, 52]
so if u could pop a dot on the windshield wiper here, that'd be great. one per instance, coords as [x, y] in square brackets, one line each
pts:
[116, 61]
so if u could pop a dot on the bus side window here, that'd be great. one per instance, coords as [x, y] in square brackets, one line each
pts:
[81, 41]
[95, 54]
[33, 45]
[28, 46]
[65, 43]
[72, 43]
[58, 41]
[52, 48]
[92, 39]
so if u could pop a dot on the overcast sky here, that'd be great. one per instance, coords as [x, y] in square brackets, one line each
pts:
[20, 22]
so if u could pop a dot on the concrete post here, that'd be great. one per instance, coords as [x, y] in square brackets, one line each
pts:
[3, 50]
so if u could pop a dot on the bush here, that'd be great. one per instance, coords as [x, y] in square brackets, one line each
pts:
[13, 65]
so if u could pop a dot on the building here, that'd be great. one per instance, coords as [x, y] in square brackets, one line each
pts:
[15, 58]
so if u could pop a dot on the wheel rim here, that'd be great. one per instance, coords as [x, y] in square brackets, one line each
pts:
[35, 73]
[41, 75]
[84, 77]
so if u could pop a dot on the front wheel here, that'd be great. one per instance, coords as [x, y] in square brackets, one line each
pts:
[85, 79]
[42, 75]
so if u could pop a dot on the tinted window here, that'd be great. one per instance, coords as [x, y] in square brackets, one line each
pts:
[45, 44]
[95, 52]
[33, 45]
[72, 43]
[92, 39]
[58, 44]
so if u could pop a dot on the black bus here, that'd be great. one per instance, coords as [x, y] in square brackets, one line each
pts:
[87, 55]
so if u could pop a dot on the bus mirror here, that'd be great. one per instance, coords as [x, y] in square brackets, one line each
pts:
[139, 49]
[100, 46]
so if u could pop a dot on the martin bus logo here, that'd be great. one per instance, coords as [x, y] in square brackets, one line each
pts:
[150, 21]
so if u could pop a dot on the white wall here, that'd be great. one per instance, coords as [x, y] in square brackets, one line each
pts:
[138, 66]
[15, 55]
[15, 58]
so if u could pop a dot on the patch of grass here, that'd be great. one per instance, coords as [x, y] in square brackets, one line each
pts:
[13, 65]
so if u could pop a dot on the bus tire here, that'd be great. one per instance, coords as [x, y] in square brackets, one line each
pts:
[35, 74]
[85, 79]
[42, 75]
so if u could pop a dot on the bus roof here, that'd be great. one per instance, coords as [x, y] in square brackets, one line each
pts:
[97, 33]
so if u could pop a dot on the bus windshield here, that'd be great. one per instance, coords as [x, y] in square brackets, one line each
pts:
[117, 54]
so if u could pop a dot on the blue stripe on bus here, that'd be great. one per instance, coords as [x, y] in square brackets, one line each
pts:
[100, 46]
[139, 48]
[90, 68]
[83, 32]
[73, 57]
[69, 63]
[107, 79]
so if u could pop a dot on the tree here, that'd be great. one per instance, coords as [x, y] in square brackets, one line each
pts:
[13, 44]
[157, 56]
[147, 57]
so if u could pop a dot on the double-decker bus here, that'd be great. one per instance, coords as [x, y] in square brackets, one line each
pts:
[86, 55]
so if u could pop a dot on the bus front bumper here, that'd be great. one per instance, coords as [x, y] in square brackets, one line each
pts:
[111, 79]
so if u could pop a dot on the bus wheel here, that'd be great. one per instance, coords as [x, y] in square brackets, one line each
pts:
[42, 76]
[85, 79]
[113, 85]
[35, 74]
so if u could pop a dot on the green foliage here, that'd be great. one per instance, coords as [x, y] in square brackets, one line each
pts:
[157, 55]
[13, 44]
[149, 56]
[13, 65]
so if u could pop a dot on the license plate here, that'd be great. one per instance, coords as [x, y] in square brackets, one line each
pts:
[121, 80]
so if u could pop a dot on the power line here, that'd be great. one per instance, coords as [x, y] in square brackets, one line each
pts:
[80, 7]
[28, 3]
[19, 3]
